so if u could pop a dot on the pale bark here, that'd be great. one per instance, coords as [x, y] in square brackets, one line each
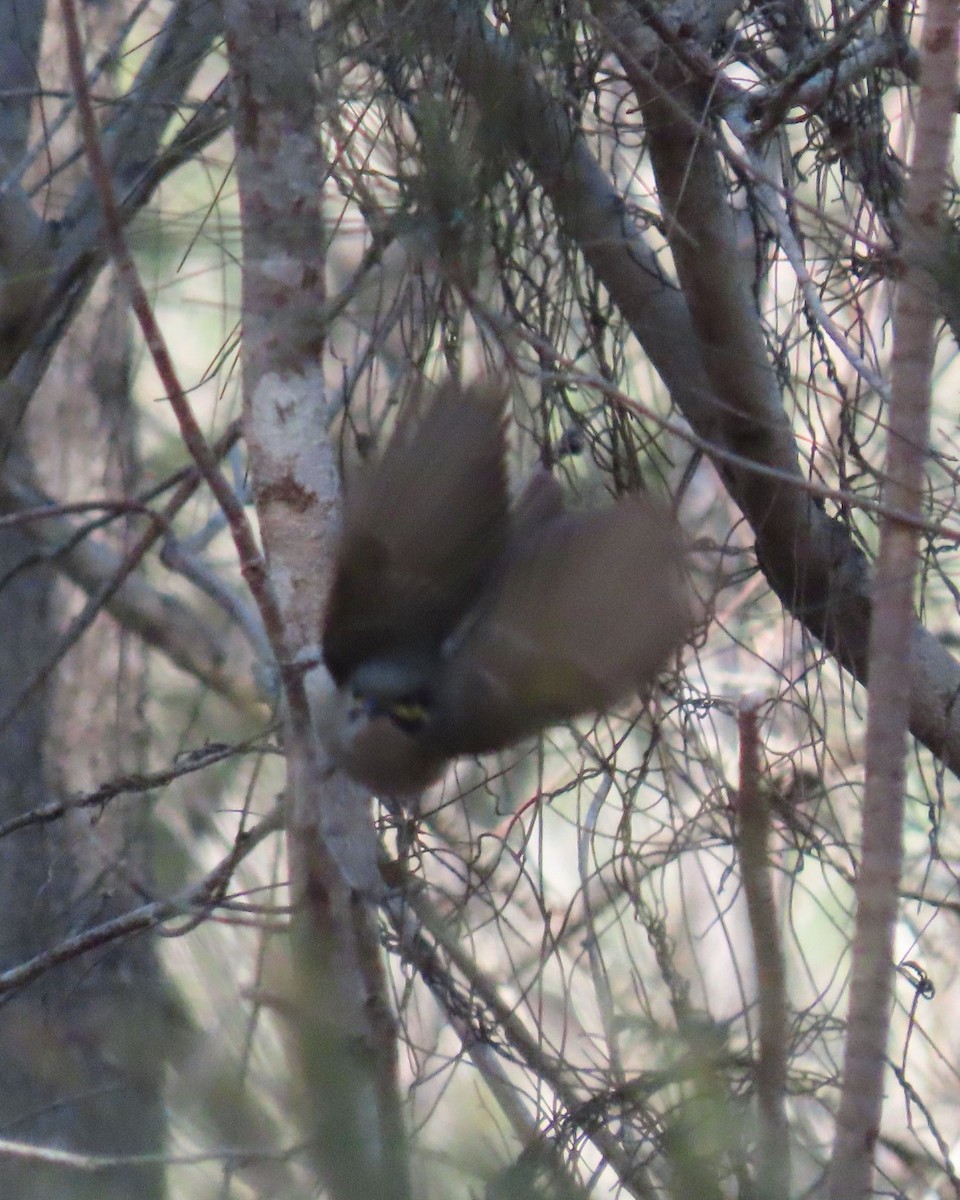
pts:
[340, 1016]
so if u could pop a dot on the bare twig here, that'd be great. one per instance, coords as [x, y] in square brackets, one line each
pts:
[151, 623]
[201, 897]
[135, 132]
[236, 1155]
[503, 1017]
[125, 785]
[251, 561]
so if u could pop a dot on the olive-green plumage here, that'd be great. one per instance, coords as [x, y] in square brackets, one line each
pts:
[459, 625]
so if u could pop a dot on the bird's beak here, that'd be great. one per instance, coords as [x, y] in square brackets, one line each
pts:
[365, 706]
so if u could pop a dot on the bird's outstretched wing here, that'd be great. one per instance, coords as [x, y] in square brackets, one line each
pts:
[422, 529]
[586, 609]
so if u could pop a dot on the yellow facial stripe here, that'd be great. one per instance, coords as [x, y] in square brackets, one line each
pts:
[407, 711]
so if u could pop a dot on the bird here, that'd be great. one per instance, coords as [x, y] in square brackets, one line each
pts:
[460, 623]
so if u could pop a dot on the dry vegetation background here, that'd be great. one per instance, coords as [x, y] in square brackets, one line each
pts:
[676, 230]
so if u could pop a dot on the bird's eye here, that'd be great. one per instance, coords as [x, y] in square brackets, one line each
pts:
[409, 715]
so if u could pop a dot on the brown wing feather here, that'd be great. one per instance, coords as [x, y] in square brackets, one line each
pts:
[421, 529]
[588, 608]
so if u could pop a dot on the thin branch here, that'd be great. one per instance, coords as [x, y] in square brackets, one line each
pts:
[105, 63]
[598, 969]
[252, 565]
[773, 1157]
[237, 1156]
[888, 705]
[771, 201]
[135, 131]
[127, 785]
[201, 898]
[503, 1017]
[570, 372]
[414, 947]
[133, 603]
